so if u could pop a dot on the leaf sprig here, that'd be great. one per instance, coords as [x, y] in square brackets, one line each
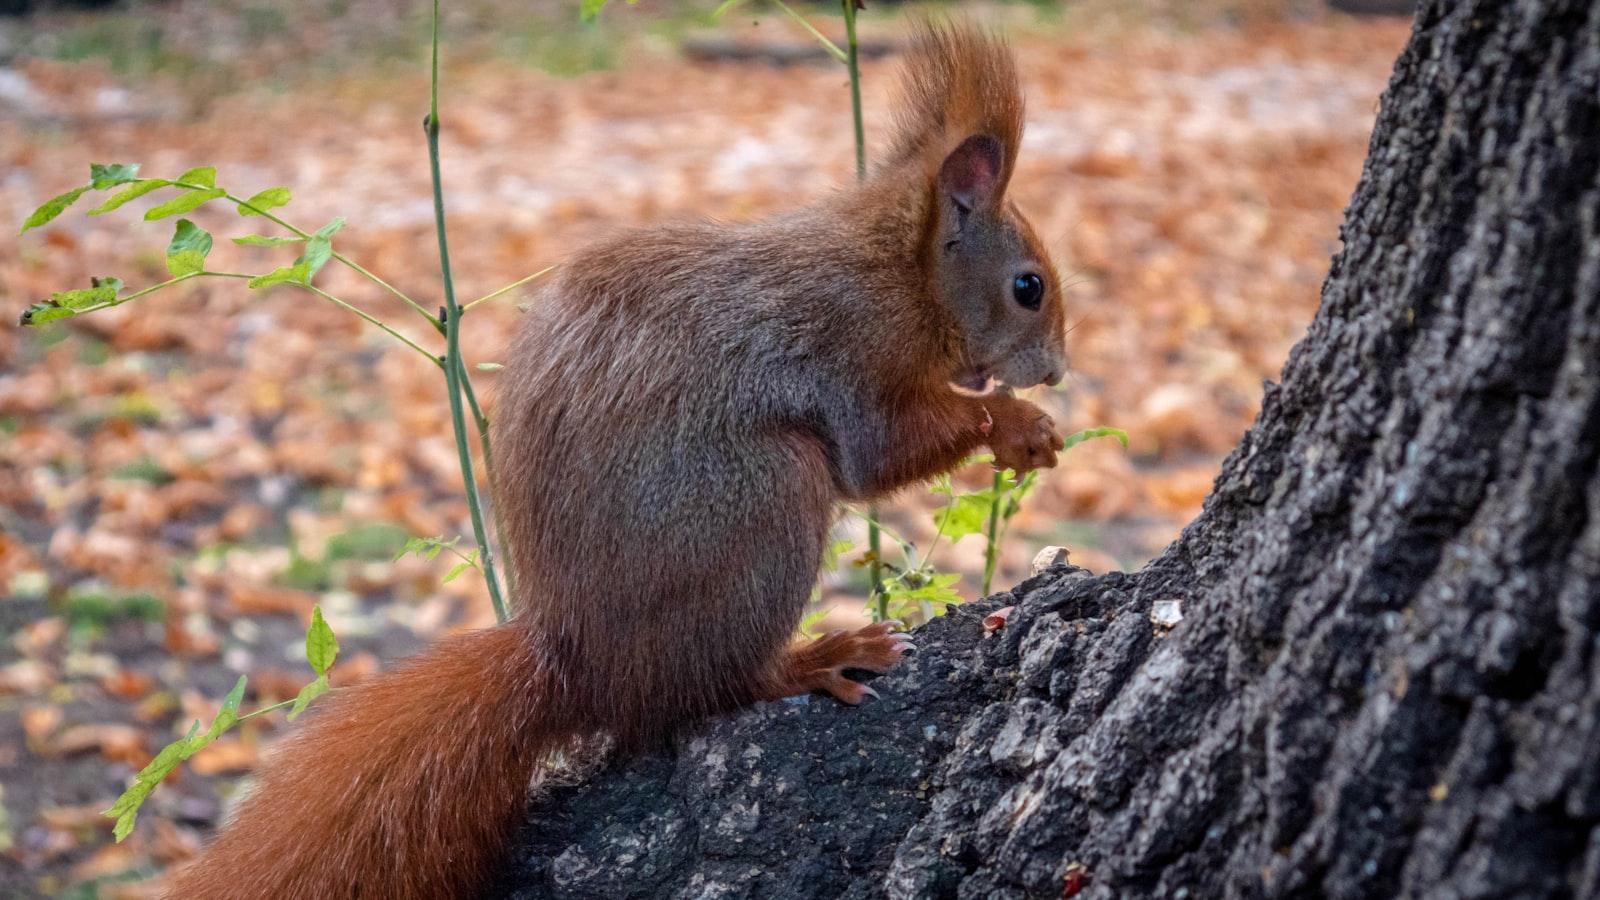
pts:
[322, 648]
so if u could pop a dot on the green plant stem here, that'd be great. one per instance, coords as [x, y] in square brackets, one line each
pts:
[454, 369]
[853, 63]
[991, 551]
[830, 46]
[340, 257]
[148, 290]
[266, 709]
[507, 289]
[482, 421]
[368, 317]
[312, 288]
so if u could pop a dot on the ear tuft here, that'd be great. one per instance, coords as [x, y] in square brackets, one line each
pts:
[970, 175]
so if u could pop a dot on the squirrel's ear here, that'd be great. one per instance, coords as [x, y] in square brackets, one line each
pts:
[970, 175]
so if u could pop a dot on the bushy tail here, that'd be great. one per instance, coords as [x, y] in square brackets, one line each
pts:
[957, 81]
[405, 786]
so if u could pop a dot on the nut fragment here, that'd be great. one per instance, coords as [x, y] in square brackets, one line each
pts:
[1166, 613]
[996, 620]
[1048, 557]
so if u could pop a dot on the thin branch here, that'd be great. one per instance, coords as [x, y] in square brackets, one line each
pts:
[370, 318]
[828, 45]
[341, 258]
[507, 289]
[454, 369]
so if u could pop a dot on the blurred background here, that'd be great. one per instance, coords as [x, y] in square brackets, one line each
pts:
[183, 477]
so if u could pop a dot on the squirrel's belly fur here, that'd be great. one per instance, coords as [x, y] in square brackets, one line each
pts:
[681, 413]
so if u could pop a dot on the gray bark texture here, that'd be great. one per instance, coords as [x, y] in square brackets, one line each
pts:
[1387, 678]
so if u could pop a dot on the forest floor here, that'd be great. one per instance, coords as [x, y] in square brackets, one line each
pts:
[183, 477]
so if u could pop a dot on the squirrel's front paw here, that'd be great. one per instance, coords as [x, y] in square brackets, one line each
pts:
[1025, 439]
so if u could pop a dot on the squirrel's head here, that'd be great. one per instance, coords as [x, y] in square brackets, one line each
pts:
[992, 274]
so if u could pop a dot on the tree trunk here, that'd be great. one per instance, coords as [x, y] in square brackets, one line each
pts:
[1386, 681]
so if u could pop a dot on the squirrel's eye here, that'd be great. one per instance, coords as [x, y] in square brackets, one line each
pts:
[1028, 289]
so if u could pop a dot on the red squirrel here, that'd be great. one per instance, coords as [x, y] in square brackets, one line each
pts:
[681, 414]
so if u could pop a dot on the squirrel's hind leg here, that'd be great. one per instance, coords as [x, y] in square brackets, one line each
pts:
[820, 664]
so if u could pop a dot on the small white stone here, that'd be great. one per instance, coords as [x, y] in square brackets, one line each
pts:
[1048, 557]
[1166, 613]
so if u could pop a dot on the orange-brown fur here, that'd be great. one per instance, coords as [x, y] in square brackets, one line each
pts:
[683, 411]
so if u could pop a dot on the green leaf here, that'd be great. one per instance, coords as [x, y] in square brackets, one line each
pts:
[270, 198]
[938, 591]
[307, 694]
[102, 177]
[724, 7]
[226, 716]
[317, 253]
[256, 240]
[40, 313]
[1074, 440]
[186, 254]
[205, 176]
[808, 624]
[298, 272]
[1014, 502]
[83, 298]
[965, 515]
[182, 203]
[102, 290]
[831, 554]
[126, 809]
[332, 228]
[428, 547]
[53, 207]
[322, 648]
[65, 304]
[471, 562]
[134, 192]
[590, 8]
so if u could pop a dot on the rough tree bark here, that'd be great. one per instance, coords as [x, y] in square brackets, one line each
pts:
[1387, 678]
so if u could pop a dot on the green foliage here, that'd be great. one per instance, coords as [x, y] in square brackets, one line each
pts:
[298, 273]
[259, 203]
[53, 207]
[256, 240]
[96, 608]
[810, 621]
[126, 810]
[186, 253]
[589, 10]
[306, 574]
[1076, 438]
[126, 195]
[202, 176]
[470, 561]
[102, 292]
[372, 541]
[103, 176]
[322, 648]
[429, 548]
[143, 469]
[916, 589]
[185, 202]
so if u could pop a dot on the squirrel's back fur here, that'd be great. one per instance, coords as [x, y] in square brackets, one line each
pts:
[683, 410]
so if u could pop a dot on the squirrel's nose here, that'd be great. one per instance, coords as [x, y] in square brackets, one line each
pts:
[1053, 377]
